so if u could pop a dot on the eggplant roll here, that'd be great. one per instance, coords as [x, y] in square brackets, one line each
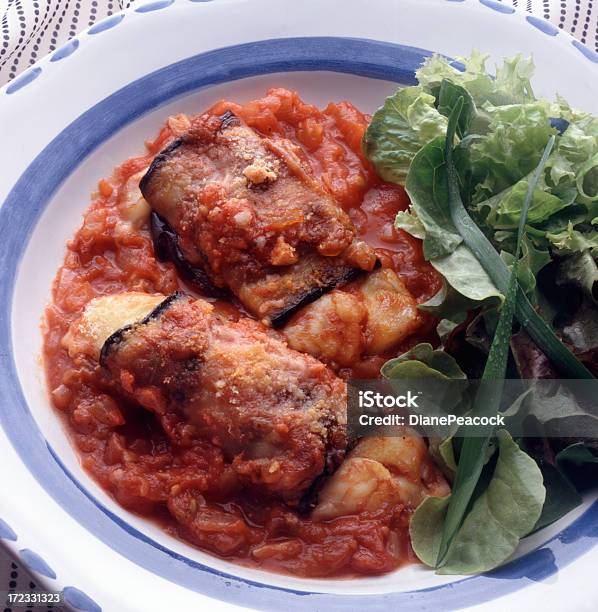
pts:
[246, 210]
[278, 415]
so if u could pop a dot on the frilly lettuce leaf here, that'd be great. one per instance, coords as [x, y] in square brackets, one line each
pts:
[542, 207]
[511, 149]
[512, 83]
[502, 133]
[571, 241]
[407, 121]
[504, 512]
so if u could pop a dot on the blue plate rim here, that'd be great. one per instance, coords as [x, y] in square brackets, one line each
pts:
[21, 211]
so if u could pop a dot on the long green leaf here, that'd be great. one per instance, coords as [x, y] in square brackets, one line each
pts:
[542, 334]
[507, 510]
[471, 460]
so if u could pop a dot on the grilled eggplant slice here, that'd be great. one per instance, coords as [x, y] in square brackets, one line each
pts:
[246, 210]
[105, 316]
[278, 415]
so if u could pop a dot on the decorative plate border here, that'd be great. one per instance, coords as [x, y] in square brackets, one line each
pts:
[43, 177]
[542, 24]
[536, 565]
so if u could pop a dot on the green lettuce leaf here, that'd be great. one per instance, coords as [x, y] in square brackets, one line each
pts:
[407, 121]
[423, 361]
[542, 207]
[511, 85]
[443, 454]
[436, 367]
[467, 286]
[505, 511]
[571, 241]
[427, 188]
[511, 149]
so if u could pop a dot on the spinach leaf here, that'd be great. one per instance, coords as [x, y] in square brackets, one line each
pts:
[577, 454]
[468, 285]
[561, 496]
[446, 98]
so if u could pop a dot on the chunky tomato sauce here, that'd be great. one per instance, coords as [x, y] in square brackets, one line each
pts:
[122, 445]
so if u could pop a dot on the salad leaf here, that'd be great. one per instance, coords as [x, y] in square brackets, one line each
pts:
[407, 220]
[407, 121]
[581, 330]
[511, 149]
[423, 361]
[467, 285]
[561, 496]
[508, 210]
[571, 241]
[435, 366]
[446, 98]
[512, 83]
[426, 186]
[488, 397]
[559, 411]
[576, 454]
[507, 510]
[443, 454]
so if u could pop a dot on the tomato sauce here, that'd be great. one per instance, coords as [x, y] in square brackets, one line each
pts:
[124, 448]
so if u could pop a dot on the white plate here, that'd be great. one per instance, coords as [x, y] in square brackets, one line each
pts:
[74, 116]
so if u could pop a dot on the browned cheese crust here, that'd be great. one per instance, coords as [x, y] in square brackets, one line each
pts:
[278, 415]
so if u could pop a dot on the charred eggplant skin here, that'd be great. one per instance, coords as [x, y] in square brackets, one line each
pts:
[166, 247]
[228, 119]
[279, 319]
[117, 336]
[162, 158]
